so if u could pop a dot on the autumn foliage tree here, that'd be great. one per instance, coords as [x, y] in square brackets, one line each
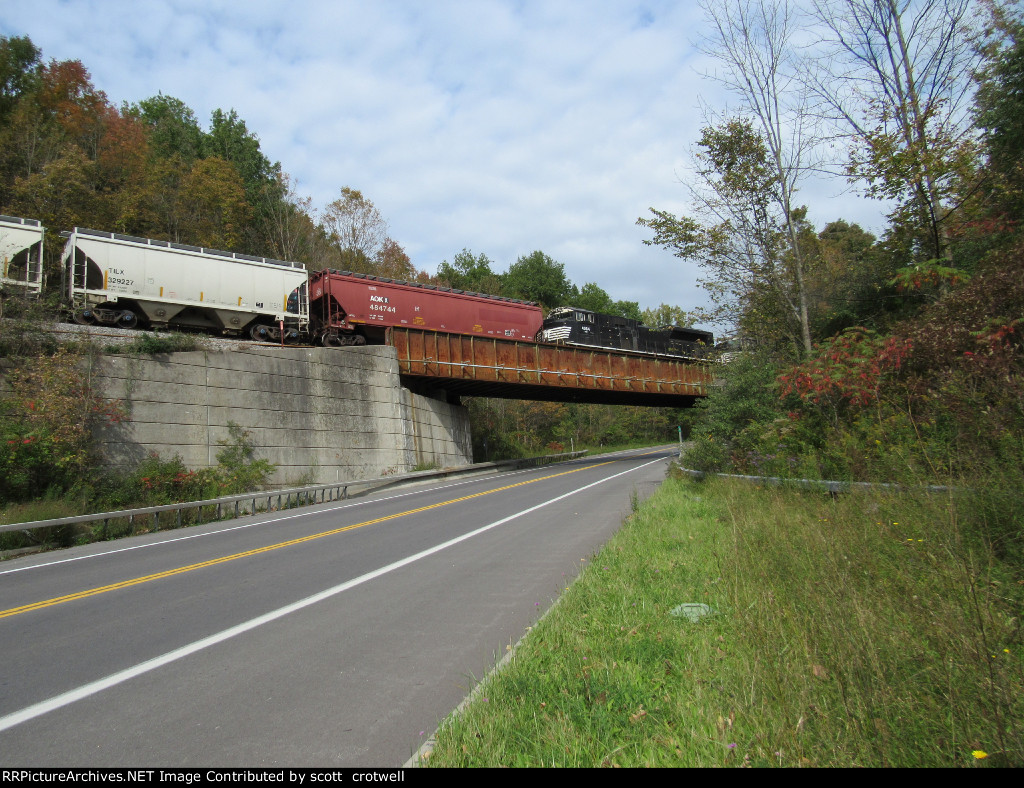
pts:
[70, 158]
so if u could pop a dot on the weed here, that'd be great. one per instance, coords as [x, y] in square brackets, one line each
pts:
[153, 344]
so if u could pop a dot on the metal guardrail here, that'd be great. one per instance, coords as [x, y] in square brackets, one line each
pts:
[816, 484]
[249, 503]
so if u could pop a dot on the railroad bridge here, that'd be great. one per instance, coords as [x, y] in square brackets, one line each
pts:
[358, 412]
[486, 366]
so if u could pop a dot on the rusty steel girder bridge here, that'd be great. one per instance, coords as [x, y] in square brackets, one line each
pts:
[484, 366]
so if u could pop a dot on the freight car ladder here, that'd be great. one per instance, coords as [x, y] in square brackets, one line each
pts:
[78, 280]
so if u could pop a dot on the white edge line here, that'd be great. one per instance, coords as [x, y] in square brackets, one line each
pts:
[95, 687]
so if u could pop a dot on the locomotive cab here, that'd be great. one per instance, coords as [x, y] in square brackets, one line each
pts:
[567, 324]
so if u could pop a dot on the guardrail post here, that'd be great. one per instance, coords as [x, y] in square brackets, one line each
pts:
[156, 521]
[177, 516]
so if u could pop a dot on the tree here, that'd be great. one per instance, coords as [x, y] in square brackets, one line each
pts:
[355, 228]
[165, 182]
[229, 139]
[392, 262]
[630, 309]
[537, 277]
[121, 172]
[61, 194]
[284, 222]
[173, 127]
[850, 283]
[60, 108]
[19, 71]
[666, 315]
[594, 298]
[468, 271]
[66, 94]
[753, 41]
[741, 237]
[1000, 116]
[898, 76]
[213, 207]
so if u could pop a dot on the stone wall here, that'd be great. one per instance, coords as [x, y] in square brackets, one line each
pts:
[318, 414]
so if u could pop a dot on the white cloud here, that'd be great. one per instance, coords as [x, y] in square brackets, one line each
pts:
[498, 125]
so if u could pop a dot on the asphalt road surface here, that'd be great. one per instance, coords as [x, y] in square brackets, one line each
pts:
[334, 635]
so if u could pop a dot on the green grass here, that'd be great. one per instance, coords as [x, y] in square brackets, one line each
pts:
[863, 631]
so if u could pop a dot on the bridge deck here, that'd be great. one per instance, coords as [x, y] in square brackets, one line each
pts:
[481, 366]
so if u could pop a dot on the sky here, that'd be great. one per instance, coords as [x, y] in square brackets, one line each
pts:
[498, 126]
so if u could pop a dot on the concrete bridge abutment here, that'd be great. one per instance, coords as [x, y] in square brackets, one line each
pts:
[320, 415]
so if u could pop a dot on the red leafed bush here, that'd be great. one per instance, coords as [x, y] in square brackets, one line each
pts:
[848, 370]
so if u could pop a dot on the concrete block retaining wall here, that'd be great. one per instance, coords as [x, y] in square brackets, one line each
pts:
[317, 413]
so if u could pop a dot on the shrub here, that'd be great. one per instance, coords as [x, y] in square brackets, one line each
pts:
[46, 421]
[238, 469]
[744, 399]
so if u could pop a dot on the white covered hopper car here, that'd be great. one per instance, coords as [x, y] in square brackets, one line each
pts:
[21, 254]
[123, 280]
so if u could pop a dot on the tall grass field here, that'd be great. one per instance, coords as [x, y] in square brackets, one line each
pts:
[870, 629]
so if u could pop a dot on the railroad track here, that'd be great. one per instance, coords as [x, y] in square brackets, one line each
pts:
[125, 336]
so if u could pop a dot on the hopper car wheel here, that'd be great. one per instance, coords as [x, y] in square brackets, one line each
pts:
[330, 340]
[84, 317]
[260, 333]
[359, 339]
[127, 320]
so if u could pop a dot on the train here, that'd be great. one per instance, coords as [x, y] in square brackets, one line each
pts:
[123, 280]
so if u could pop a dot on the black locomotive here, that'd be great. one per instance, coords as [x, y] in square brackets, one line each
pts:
[571, 326]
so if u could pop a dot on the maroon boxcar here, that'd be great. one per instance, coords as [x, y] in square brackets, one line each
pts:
[352, 309]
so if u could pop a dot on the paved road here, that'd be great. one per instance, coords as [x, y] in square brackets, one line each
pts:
[337, 635]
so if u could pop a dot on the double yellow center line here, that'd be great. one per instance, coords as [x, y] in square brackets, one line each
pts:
[14, 611]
